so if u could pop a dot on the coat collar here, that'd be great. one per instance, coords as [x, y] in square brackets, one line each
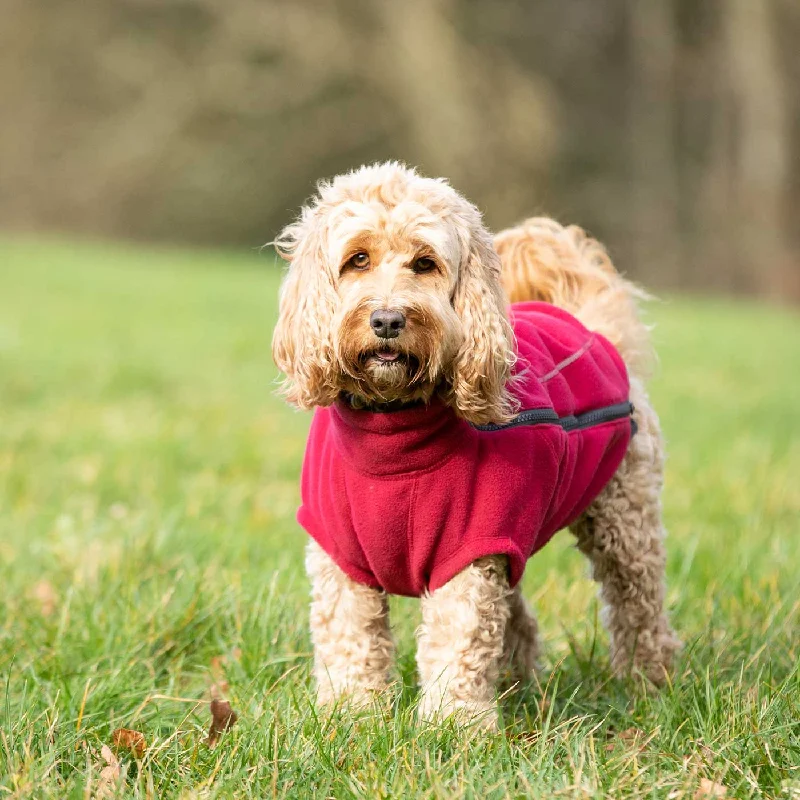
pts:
[390, 443]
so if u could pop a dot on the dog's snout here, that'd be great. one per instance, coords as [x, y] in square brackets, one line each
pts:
[387, 323]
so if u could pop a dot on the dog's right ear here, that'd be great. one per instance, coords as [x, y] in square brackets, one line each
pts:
[302, 344]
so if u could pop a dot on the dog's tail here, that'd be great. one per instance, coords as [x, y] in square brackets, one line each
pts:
[543, 260]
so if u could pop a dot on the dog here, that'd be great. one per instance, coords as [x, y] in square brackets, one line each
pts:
[445, 423]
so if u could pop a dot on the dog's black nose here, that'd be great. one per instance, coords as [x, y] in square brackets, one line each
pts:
[387, 323]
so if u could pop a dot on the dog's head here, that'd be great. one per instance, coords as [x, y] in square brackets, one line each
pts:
[393, 294]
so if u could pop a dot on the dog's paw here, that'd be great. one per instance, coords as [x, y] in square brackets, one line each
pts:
[479, 714]
[521, 656]
[355, 698]
[651, 657]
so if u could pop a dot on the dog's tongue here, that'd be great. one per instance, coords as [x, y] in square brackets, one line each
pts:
[387, 355]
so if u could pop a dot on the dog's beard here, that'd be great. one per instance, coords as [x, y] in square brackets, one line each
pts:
[406, 369]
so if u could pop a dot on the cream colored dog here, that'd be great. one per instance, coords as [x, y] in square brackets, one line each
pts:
[383, 236]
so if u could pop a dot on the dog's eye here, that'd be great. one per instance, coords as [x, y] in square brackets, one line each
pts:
[359, 261]
[424, 265]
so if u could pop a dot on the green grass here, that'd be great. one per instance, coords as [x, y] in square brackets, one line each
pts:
[148, 480]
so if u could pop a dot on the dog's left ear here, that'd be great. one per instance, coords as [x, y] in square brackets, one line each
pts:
[483, 365]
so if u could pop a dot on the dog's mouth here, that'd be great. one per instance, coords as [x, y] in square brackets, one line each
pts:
[385, 356]
[389, 360]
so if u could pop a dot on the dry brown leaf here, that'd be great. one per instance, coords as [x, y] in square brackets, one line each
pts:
[631, 735]
[46, 596]
[109, 776]
[127, 739]
[709, 788]
[628, 737]
[223, 717]
[707, 755]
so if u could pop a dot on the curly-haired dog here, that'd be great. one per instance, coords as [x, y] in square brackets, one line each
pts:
[453, 434]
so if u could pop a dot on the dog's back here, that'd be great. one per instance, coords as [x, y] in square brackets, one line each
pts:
[543, 260]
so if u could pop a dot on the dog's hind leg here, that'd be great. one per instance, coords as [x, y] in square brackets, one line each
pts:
[460, 643]
[622, 535]
[521, 643]
[353, 647]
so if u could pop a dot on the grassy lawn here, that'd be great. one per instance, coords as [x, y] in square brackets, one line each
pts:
[148, 549]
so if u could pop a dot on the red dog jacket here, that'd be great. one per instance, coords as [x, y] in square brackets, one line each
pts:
[404, 500]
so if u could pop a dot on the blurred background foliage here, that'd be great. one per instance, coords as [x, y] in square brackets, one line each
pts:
[668, 128]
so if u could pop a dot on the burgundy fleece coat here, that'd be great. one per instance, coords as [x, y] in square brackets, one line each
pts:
[404, 500]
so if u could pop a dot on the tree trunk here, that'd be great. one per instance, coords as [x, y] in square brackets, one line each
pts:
[654, 191]
[761, 155]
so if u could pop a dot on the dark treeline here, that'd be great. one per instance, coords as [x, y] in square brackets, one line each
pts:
[668, 128]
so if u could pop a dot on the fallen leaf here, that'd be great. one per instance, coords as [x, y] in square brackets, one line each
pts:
[631, 735]
[46, 596]
[127, 739]
[706, 754]
[109, 776]
[223, 717]
[628, 737]
[708, 788]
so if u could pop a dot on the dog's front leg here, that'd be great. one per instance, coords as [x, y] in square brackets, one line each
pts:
[353, 648]
[460, 643]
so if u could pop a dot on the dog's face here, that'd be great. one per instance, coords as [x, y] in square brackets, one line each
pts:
[396, 330]
[393, 294]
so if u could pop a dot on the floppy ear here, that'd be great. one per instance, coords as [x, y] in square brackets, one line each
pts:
[483, 365]
[302, 344]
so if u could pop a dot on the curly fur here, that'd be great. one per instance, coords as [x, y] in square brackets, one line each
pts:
[623, 536]
[457, 344]
[458, 340]
[543, 260]
[521, 644]
[353, 647]
[622, 533]
[460, 643]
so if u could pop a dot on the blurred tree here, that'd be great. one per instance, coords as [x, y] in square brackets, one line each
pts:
[761, 158]
[666, 127]
[655, 233]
